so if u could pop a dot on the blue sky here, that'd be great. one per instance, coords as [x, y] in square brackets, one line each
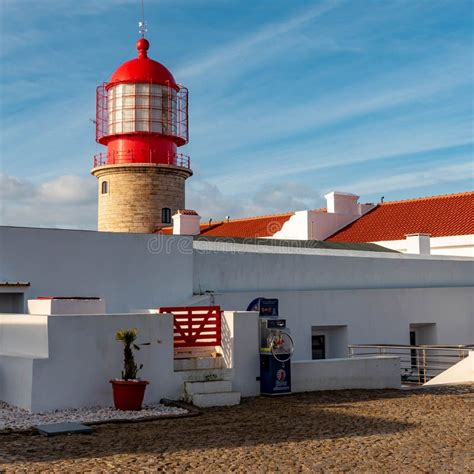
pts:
[288, 100]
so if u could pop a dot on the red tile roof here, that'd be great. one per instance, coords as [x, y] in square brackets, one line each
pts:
[261, 226]
[451, 214]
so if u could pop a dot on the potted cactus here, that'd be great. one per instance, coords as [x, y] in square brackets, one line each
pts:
[129, 390]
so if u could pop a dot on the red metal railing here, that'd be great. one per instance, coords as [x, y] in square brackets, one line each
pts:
[115, 158]
[196, 326]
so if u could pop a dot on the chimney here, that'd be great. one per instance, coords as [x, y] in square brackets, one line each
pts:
[186, 222]
[342, 203]
[418, 243]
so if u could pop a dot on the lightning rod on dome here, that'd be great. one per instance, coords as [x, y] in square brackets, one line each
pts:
[142, 29]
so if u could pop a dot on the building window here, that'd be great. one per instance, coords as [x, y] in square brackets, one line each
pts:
[166, 215]
[105, 187]
[318, 346]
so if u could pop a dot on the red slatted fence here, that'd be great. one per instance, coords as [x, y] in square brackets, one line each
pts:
[196, 326]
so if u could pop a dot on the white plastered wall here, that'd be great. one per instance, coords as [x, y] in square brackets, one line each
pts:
[372, 316]
[73, 365]
[455, 245]
[127, 270]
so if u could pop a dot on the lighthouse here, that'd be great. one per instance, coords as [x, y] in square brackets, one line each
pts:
[142, 119]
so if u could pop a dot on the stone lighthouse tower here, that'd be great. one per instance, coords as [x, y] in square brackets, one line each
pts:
[142, 118]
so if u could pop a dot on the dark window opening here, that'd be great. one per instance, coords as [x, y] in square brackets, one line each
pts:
[166, 215]
[105, 187]
[413, 352]
[318, 346]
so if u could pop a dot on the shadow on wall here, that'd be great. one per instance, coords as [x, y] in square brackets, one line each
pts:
[305, 417]
[227, 342]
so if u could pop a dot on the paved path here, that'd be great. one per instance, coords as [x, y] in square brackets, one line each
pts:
[384, 430]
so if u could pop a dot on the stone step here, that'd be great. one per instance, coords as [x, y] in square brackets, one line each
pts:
[192, 355]
[206, 375]
[212, 386]
[199, 363]
[220, 399]
[195, 350]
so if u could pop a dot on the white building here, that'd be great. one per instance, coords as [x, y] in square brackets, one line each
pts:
[370, 296]
[345, 296]
[440, 225]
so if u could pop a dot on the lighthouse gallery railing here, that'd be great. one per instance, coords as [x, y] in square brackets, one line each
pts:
[127, 157]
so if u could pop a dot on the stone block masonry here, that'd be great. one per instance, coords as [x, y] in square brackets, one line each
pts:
[136, 195]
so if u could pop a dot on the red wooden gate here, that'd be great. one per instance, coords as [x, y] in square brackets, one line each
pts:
[196, 326]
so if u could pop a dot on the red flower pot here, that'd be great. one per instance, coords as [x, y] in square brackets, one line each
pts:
[128, 394]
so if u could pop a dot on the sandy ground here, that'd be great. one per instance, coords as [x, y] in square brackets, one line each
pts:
[345, 431]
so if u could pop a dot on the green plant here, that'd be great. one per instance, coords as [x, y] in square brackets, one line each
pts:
[128, 337]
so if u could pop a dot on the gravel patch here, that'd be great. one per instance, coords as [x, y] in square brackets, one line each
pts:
[18, 419]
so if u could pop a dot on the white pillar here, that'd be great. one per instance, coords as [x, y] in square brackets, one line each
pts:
[240, 346]
[342, 203]
[186, 222]
[418, 243]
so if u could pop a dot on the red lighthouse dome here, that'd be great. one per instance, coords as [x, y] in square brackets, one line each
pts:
[143, 69]
[142, 113]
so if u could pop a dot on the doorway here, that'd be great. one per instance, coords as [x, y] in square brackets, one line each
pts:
[12, 303]
[413, 357]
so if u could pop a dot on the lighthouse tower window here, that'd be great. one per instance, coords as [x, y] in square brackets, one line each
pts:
[105, 187]
[166, 215]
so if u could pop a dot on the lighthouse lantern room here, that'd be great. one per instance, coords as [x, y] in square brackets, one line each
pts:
[142, 118]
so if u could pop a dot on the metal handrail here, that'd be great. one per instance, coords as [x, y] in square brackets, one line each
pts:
[418, 363]
[428, 346]
[130, 157]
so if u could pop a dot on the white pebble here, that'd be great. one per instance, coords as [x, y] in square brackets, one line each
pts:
[17, 418]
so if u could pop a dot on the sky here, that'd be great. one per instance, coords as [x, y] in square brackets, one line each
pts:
[288, 100]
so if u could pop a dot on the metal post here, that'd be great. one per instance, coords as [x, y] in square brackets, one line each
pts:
[424, 365]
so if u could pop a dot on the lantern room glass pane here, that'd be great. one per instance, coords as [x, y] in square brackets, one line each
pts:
[142, 89]
[142, 108]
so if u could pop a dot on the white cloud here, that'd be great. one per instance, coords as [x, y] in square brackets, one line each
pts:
[65, 201]
[210, 202]
[363, 144]
[70, 201]
[413, 179]
[68, 190]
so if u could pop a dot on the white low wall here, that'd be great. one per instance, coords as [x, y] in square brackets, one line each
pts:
[83, 356]
[66, 306]
[340, 374]
[74, 357]
[239, 343]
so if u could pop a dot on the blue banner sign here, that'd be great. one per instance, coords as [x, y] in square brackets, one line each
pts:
[264, 306]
